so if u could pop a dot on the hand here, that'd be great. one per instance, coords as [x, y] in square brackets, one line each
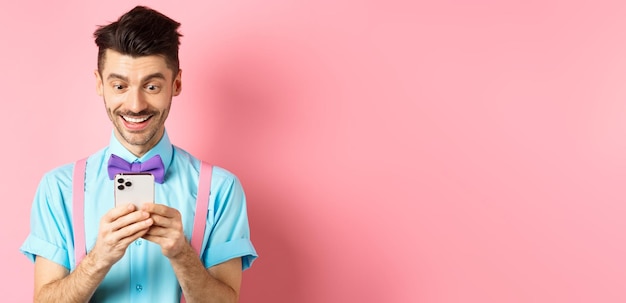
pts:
[118, 228]
[167, 230]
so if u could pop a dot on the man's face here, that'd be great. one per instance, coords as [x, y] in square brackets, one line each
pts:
[137, 96]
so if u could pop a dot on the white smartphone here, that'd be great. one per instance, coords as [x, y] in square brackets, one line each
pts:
[135, 188]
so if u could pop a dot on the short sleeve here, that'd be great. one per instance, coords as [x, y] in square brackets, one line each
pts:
[227, 226]
[50, 221]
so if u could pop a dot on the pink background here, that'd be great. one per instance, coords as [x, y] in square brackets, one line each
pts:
[391, 151]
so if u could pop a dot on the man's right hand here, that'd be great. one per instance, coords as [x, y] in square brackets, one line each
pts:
[118, 228]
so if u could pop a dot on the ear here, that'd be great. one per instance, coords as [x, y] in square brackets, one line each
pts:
[178, 85]
[99, 84]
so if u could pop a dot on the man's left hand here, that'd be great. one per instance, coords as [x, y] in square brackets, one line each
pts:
[167, 229]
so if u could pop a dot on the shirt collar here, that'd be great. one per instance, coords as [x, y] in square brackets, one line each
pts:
[164, 148]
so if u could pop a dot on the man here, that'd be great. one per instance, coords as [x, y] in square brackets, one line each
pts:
[138, 254]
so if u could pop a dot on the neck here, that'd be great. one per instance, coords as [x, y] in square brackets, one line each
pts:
[140, 149]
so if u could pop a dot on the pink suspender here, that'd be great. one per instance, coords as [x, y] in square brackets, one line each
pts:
[78, 208]
[202, 206]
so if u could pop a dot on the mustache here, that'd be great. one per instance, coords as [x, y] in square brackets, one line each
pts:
[142, 113]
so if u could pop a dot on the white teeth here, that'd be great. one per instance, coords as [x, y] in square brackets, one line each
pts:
[135, 120]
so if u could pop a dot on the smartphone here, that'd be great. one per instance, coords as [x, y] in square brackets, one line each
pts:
[135, 188]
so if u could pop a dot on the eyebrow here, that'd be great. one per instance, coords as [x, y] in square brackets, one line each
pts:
[145, 79]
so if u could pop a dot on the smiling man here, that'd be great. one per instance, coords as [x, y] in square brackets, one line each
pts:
[185, 245]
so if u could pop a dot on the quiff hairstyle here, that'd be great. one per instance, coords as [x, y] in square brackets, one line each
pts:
[140, 32]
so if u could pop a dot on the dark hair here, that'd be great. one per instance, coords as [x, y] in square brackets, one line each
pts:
[140, 32]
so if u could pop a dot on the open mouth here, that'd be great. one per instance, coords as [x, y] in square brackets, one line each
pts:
[136, 119]
[136, 123]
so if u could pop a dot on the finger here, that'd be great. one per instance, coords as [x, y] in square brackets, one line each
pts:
[128, 219]
[124, 242]
[160, 209]
[170, 246]
[163, 221]
[165, 242]
[157, 231]
[154, 239]
[118, 211]
[133, 231]
[159, 234]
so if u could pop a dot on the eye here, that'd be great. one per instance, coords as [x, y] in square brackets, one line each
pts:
[118, 87]
[153, 88]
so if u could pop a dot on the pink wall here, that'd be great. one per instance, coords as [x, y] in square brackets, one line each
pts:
[466, 151]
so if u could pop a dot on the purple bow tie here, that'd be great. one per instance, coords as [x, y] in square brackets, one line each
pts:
[153, 165]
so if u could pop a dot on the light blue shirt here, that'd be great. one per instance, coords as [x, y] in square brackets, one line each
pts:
[143, 274]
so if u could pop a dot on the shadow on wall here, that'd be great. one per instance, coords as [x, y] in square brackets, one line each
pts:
[251, 122]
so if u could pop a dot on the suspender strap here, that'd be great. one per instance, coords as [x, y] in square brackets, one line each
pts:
[202, 206]
[78, 209]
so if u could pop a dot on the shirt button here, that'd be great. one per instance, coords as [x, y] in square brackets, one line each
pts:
[139, 287]
[138, 242]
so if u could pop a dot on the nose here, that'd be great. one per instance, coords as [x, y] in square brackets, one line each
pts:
[136, 101]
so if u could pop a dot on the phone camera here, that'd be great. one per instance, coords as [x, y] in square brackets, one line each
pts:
[128, 184]
[120, 187]
[120, 180]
